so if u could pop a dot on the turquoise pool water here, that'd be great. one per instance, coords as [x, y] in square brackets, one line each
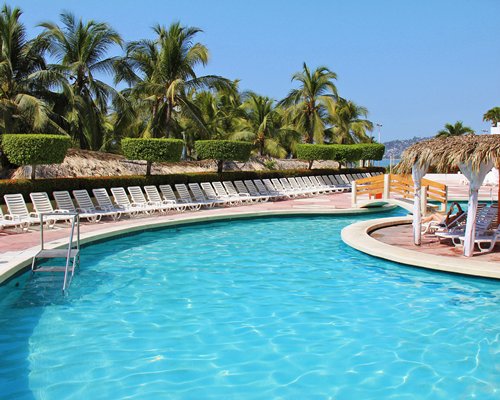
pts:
[255, 309]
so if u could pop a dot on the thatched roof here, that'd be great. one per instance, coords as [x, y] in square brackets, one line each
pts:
[443, 153]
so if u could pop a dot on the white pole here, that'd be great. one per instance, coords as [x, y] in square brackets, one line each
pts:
[417, 173]
[475, 178]
[354, 195]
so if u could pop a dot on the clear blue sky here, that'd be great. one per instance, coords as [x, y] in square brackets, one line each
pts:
[415, 65]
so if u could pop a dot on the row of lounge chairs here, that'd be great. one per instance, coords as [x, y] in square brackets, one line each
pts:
[487, 232]
[150, 200]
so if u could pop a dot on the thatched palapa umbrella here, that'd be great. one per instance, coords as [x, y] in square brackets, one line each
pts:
[474, 155]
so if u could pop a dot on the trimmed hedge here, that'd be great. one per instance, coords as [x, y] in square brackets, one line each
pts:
[313, 152]
[344, 153]
[222, 150]
[152, 150]
[35, 149]
[26, 186]
[371, 151]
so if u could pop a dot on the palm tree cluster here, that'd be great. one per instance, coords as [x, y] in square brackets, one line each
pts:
[56, 83]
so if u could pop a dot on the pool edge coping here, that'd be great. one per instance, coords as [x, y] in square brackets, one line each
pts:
[23, 260]
[358, 236]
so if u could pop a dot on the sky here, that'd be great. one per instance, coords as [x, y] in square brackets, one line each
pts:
[416, 65]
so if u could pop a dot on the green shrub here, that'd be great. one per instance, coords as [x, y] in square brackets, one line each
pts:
[371, 151]
[26, 186]
[270, 164]
[152, 150]
[35, 149]
[222, 150]
[312, 152]
[345, 153]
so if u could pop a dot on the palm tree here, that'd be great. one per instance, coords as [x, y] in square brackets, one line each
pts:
[264, 126]
[492, 115]
[22, 109]
[161, 74]
[307, 104]
[349, 123]
[80, 49]
[457, 129]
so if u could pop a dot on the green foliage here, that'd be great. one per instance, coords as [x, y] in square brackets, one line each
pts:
[221, 150]
[371, 151]
[270, 164]
[313, 152]
[457, 129]
[26, 186]
[153, 150]
[33, 149]
[346, 152]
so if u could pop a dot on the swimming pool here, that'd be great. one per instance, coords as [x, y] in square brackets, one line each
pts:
[250, 309]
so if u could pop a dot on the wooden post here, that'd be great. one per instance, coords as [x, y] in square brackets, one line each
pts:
[387, 186]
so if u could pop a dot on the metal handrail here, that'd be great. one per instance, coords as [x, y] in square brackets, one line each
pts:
[75, 221]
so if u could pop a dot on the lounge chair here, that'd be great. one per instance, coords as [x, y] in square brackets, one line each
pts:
[234, 192]
[487, 240]
[222, 194]
[64, 202]
[211, 195]
[184, 196]
[123, 202]
[276, 184]
[253, 192]
[155, 197]
[337, 181]
[265, 190]
[447, 222]
[484, 218]
[86, 205]
[199, 196]
[105, 203]
[42, 205]
[299, 188]
[19, 211]
[9, 221]
[138, 198]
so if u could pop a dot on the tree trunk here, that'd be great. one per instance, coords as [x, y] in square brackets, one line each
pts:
[310, 164]
[33, 171]
[220, 166]
[168, 116]
[148, 167]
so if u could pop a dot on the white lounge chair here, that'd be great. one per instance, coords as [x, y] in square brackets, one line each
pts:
[277, 186]
[42, 205]
[105, 203]
[210, 194]
[184, 196]
[10, 221]
[265, 190]
[19, 211]
[64, 202]
[123, 202]
[138, 198]
[223, 194]
[253, 193]
[293, 184]
[86, 205]
[233, 191]
[155, 197]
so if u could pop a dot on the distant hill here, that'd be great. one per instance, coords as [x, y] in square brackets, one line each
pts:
[395, 148]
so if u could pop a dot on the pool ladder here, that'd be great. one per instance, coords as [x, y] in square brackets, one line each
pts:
[71, 253]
